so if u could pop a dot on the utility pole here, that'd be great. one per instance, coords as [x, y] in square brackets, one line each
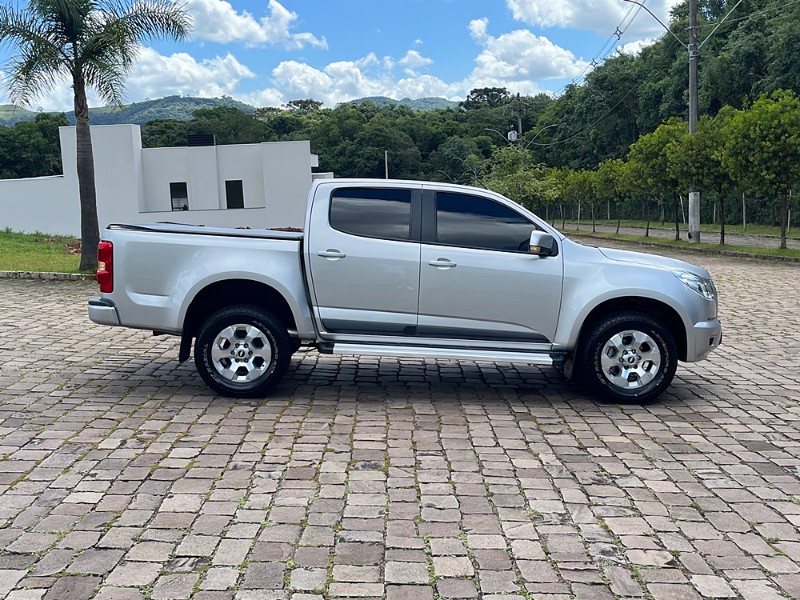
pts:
[694, 194]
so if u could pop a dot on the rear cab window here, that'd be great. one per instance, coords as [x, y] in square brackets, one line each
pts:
[384, 213]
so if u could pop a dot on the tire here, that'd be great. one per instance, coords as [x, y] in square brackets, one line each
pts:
[628, 357]
[242, 351]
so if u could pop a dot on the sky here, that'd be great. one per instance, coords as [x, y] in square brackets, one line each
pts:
[268, 52]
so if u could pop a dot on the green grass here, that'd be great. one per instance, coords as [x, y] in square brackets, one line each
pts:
[37, 252]
[750, 229]
[685, 244]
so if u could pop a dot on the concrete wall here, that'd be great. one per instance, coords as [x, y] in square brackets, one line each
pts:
[132, 184]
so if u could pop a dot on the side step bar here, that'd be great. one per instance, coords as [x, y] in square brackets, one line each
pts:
[535, 358]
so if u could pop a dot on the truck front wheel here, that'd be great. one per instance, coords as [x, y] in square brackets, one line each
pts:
[628, 356]
[242, 351]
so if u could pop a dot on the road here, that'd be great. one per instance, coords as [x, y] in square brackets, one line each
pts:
[122, 476]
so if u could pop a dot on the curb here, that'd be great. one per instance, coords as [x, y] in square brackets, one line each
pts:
[46, 276]
[710, 251]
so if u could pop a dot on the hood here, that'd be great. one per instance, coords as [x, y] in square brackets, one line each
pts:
[653, 260]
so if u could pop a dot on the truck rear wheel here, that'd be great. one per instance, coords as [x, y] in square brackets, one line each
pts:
[628, 356]
[242, 351]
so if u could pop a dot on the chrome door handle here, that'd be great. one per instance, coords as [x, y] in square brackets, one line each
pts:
[442, 263]
[330, 253]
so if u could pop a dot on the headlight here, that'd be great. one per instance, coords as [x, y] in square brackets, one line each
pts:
[704, 287]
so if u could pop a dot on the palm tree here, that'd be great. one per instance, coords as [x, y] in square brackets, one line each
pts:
[91, 44]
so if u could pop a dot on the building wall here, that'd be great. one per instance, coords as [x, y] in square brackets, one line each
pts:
[132, 184]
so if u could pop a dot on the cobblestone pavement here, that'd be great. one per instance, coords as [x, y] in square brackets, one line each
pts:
[122, 476]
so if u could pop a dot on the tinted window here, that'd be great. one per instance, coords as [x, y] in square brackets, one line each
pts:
[473, 222]
[372, 212]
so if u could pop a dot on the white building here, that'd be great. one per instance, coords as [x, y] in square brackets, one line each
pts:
[245, 185]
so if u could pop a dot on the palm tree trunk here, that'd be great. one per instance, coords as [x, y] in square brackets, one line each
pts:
[90, 231]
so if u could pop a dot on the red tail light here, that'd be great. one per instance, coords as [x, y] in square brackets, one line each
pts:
[105, 266]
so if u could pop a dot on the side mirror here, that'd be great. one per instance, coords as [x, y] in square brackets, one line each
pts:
[542, 244]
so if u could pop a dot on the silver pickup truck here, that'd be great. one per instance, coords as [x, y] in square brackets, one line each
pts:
[409, 269]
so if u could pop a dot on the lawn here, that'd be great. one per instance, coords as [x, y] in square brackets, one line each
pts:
[655, 241]
[38, 252]
[749, 229]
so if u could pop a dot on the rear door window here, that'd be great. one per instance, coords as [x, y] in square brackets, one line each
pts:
[376, 213]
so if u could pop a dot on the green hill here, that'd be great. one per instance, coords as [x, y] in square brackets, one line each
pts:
[10, 114]
[181, 108]
[139, 113]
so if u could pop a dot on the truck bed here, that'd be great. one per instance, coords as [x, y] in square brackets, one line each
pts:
[168, 227]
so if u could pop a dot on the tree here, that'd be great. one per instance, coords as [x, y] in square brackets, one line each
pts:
[90, 44]
[762, 148]
[612, 181]
[650, 156]
[513, 174]
[32, 148]
[488, 96]
[304, 105]
[577, 187]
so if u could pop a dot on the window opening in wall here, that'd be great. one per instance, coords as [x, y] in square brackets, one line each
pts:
[179, 194]
[234, 193]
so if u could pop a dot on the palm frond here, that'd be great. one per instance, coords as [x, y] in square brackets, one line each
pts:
[34, 73]
[152, 19]
[93, 41]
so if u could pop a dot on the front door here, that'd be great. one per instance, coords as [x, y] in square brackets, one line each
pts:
[477, 281]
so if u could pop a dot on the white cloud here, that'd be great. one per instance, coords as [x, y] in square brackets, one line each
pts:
[519, 59]
[217, 21]
[156, 75]
[478, 28]
[601, 16]
[636, 47]
[414, 60]
[342, 81]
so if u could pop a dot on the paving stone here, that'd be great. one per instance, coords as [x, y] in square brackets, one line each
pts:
[96, 562]
[174, 586]
[405, 572]
[452, 566]
[456, 588]
[408, 592]
[267, 576]
[72, 587]
[308, 579]
[220, 578]
[133, 574]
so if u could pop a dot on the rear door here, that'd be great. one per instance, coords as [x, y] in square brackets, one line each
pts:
[477, 280]
[363, 253]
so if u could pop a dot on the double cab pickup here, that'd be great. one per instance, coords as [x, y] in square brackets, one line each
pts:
[408, 269]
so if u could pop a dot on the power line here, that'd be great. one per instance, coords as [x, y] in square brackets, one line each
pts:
[610, 44]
